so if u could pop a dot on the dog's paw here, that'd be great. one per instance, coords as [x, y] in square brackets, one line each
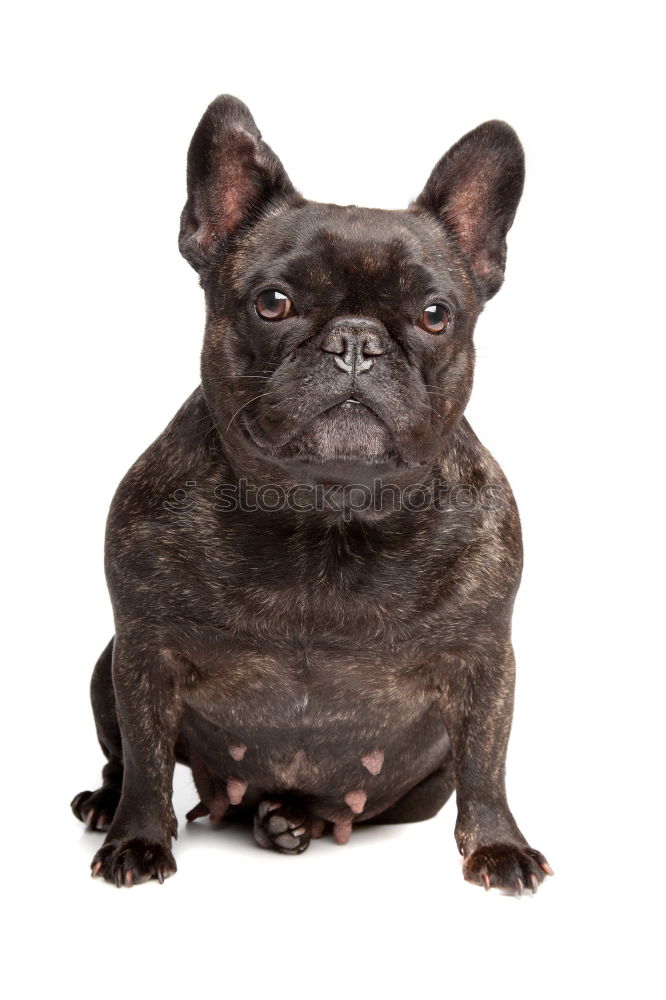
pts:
[506, 866]
[96, 809]
[128, 862]
[282, 826]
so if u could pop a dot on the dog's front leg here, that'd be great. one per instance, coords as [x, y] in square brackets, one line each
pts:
[148, 706]
[478, 706]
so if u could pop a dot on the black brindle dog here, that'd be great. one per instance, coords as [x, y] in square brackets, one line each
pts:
[313, 567]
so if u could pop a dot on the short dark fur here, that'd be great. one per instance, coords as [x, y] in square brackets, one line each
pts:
[318, 667]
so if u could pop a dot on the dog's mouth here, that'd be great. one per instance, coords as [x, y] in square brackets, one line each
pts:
[352, 406]
[349, 429]
[347, 432]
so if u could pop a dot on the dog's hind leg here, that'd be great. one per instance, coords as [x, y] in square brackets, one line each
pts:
[96, 809]
[283, 824]
[424, 800]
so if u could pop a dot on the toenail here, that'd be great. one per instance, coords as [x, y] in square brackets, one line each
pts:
[199, 810]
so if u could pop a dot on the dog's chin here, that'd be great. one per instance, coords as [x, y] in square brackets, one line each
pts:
[346, 443]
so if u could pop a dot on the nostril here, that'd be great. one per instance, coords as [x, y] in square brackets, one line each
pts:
[372, 346]
[335, 343]
[354, 347]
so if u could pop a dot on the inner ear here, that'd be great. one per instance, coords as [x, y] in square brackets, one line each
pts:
[231, 175]
[474, 191]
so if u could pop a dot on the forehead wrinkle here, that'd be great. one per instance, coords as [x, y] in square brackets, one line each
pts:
[286, 267]
[392, 255]
[316, 245]
[358, 266]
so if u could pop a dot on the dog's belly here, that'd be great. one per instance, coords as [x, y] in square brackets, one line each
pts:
[351, 733]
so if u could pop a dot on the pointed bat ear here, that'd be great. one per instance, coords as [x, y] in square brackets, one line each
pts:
[231, 175]
[474, 191]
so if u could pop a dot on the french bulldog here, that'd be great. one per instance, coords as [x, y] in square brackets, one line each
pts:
[313, 568]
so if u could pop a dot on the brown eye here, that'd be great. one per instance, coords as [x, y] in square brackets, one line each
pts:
[272, 304]
[436, 318]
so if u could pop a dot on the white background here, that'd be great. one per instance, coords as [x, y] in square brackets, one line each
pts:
[101, 332]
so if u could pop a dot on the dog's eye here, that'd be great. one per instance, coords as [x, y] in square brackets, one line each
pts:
[273, 305]
[436, 318]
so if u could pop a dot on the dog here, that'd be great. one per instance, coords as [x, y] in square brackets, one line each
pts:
[313, 568]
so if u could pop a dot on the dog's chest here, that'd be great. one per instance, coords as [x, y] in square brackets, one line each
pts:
[309, 687]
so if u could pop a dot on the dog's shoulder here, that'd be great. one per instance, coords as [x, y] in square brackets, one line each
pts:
[156, 507]
[479, 493]
[187, 447]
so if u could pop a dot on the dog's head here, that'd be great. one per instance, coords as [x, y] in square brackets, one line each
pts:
[339, 339]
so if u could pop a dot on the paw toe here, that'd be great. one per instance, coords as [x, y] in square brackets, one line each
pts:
[130, 862]
[282, 826]
[96, 809]
[510, 867]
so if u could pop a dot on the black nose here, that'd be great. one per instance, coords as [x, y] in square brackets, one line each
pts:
[355, 343]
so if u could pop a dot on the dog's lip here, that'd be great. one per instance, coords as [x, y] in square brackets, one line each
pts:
[348, 403]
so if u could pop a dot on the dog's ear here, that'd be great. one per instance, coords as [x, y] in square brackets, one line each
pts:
[231, 175]
[474, 191]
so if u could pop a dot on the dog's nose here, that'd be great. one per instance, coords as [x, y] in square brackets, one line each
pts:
[355, 343]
